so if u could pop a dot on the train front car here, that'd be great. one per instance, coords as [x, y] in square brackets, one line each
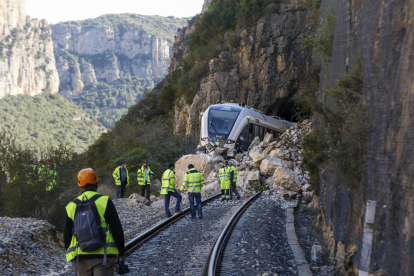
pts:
[217, 124]
[234, 127]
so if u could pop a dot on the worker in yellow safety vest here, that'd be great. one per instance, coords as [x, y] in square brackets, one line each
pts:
[121, 177]
[226, 177]
[194, 182]
[93, 234]
[144, 177]
[168, 190]
[233, 186]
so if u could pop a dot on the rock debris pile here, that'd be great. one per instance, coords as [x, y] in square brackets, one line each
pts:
[29, 246]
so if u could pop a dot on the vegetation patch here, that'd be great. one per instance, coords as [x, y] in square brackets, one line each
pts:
[48, 120]
[338, 141]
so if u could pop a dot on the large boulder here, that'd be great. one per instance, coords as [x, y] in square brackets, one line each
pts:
[252, 178]
[286, 194]
[269, 165]
[139, 199]
[283, 177]
[211, 189]
[254, 143]
[267, 140]
[204, 163]
[257, 154]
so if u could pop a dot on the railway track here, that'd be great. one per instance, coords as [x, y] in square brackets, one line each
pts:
[216, 265]
[206, 255]
[134, 244]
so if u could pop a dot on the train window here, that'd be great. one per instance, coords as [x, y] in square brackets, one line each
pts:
[276, 133]
[245, 138]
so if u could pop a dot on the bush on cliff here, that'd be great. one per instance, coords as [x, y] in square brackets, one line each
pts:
[337, 142]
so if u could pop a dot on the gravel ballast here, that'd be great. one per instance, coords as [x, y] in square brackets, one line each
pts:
[184, 247]
[259, 245]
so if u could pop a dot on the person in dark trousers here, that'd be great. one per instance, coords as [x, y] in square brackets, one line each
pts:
[121, 177]
[99, 262]
[144, 177]
[194, 182]
[233, 186]
[168, 190]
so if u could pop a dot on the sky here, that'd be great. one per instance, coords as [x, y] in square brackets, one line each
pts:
[55, 11]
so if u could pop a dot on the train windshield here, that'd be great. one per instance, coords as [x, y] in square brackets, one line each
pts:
[221, 120]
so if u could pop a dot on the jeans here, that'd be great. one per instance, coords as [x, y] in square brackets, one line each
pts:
[120, 190]
[146, 187]
[167, 201]
[233, 189]
[197, 197]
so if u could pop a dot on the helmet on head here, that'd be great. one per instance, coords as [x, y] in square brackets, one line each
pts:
[87, 176]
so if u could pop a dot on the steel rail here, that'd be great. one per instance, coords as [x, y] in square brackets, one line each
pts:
[221, 243]
[145, 236]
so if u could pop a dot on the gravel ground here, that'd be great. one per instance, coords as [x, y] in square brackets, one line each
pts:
[259, 245]
[30, 247]
[308, 235]
[183, 248]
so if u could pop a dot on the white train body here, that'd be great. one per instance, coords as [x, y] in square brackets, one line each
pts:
[234, 127]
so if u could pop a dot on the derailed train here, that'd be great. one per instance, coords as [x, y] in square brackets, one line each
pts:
[234, 126]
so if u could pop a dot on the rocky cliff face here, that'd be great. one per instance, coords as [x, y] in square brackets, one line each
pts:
[103, 51]
[27, 63]
[262, 67]
[371, 224]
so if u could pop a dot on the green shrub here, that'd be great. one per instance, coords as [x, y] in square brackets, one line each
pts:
[338, 141]
[322, 39]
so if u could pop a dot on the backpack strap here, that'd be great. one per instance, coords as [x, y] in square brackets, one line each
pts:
[95, 197]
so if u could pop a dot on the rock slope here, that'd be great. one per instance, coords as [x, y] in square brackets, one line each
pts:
[105, 48]
[263, 65]
[27, 62]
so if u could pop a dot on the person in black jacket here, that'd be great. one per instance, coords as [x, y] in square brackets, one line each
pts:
[99, 262]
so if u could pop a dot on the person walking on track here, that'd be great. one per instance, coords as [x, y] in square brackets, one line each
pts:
[121, 177]
[93, 234]
[168, 189]
[193, 180]
[144, 177]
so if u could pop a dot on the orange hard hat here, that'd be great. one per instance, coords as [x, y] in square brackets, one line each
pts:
[87, 176]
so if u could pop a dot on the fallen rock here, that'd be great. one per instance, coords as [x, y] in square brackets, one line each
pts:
[255, 142]
[221, 150]
[204, 163]
[256, 154]
[286, 194]
[283, 179]
[306, 188]
[211, 189]
[139, 199]
[267, 140]
[251, 177]
[239, 157]
[279, 154]
[269, 165]
[269, 182]
[153, 198]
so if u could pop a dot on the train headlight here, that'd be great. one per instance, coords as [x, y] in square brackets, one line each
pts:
[230, 141]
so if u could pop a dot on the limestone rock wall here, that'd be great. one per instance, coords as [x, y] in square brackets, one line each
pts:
[27, 63]
[373, 223]
[85, 55]
[263, 69]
